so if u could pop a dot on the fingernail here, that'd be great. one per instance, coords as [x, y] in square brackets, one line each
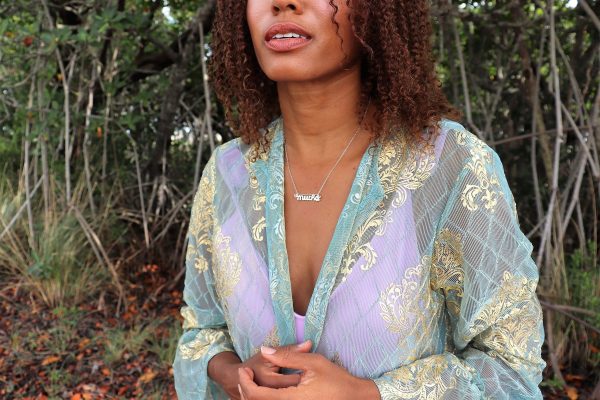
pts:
[301, 344]
[267, 350]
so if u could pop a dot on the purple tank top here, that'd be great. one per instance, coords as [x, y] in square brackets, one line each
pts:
[299, 319]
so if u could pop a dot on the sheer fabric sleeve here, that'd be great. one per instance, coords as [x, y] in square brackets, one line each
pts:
[482, 266]
[205, 332]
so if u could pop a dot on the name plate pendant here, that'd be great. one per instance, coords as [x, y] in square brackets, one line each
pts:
[308, 197]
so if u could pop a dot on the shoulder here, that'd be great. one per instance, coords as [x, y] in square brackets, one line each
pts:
[473, 169]
[230, 159]
[231, 149]
[458, 141]
[457, 149]
[236, 152]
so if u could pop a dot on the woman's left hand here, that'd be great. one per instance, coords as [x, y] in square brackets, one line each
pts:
[320, 379]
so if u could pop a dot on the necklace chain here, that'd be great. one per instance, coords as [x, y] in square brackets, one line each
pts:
[317, 196]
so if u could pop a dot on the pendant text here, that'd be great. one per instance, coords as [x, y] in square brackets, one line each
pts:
[308, 197]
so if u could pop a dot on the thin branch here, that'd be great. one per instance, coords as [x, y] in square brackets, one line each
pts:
[20, 210]
[586, 7]
[95, 242]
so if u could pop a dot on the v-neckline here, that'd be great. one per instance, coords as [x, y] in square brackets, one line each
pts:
[365, 194]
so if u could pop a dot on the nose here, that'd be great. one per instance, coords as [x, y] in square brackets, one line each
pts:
[278, 6]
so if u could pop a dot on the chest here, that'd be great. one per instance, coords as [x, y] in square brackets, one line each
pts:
[310, 226]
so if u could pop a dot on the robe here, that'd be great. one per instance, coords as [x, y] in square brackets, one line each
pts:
[427, 287]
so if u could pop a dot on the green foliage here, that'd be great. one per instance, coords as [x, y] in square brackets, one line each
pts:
[122, 343]
[164, 344]
[583, 276]
[64, 330]
[58, 267]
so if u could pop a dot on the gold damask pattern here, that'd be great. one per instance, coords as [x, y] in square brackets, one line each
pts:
[202, 343]
[258, 230]
[487, 189]
[513, 294]
[358, 247]
[258, 198]
[415, 174]
[399, 302]
[447, 269]
[202, 219]
[229, 266]
[190, 320]
[516, 338]
[401, 168]
[427, 379]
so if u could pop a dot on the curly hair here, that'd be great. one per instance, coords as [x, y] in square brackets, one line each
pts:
[397, 69]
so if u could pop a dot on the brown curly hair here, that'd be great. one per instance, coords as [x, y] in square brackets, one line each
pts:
[397, 69]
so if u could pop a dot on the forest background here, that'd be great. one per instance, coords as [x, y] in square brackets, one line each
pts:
[107, 118]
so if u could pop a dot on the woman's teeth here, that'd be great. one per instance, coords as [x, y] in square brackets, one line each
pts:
[287, 36]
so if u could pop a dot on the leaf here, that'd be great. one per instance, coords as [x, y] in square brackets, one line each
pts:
[147, 376]
[83, 343]
[50, 360]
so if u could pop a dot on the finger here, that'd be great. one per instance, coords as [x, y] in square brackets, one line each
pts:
[284, 357]
[303, 347]
[241, 393]
[279, 381]
[250, 372]
[251, 390]
[245, 376]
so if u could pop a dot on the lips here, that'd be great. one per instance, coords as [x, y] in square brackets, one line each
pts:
[285, 37]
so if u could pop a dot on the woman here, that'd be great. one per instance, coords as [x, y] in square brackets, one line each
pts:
[398, 269]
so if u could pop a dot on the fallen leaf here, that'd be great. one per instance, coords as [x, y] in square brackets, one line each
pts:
[76, 396]
[147, 376]
[50, 360]
[84, 342]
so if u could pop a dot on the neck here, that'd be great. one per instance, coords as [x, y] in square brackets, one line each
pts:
[320, 117]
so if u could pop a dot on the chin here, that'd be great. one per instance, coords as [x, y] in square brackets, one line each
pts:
[290, 75]
[294, 70]
[290, 72]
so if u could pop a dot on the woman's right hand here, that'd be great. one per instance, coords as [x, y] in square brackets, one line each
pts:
[265, 373]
